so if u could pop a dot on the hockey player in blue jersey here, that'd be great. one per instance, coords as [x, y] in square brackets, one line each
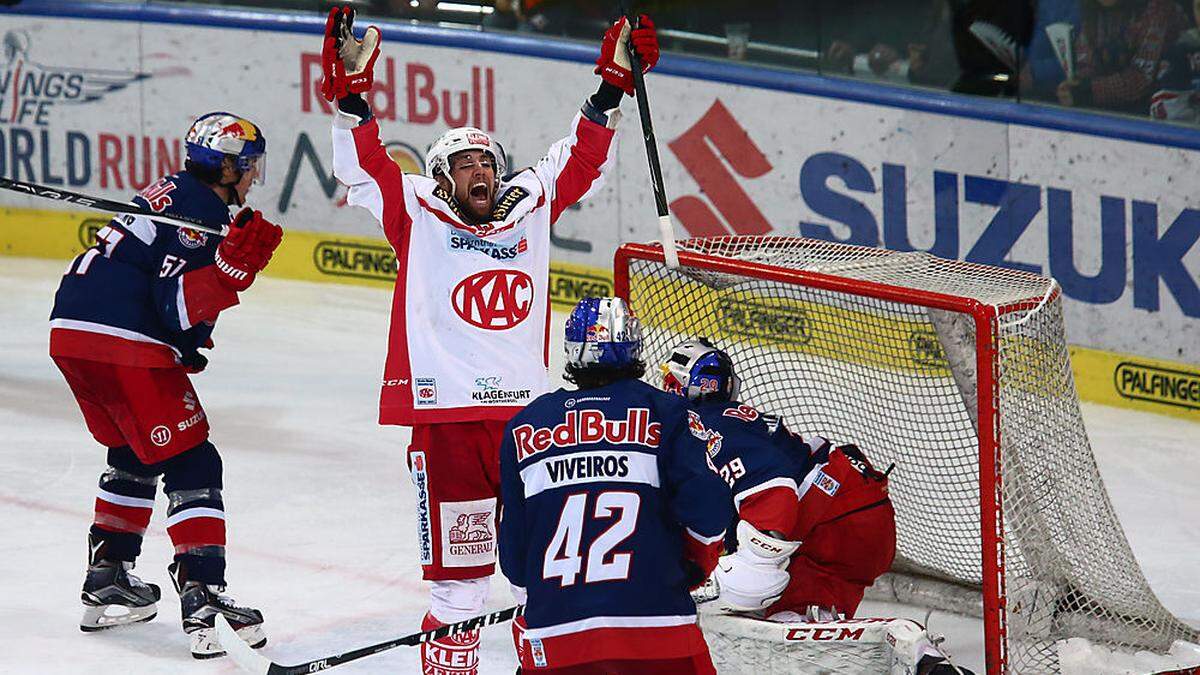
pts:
[611, 512]
[814, 523]
[129, 318]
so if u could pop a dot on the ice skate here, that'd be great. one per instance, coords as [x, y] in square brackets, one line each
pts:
[200, 603]
[114, 597]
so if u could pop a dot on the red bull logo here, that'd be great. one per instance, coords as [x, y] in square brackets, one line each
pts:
[239, 128]
[597, 333]
[585, 427]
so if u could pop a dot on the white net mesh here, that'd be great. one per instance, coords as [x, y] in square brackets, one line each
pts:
[869, 355]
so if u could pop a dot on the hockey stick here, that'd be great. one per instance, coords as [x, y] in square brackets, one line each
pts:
[666, 232]
[107, 205]
[251, 661]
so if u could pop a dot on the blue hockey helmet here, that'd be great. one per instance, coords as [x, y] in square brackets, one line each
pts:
[603, 332]
[217, 135]
[699, 371]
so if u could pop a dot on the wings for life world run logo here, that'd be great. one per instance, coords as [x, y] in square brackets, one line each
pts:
[29, 90]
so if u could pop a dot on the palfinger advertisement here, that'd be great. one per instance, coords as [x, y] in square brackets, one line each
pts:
[1115, 221]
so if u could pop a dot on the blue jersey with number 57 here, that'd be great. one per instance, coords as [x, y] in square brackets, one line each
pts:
[611, 512]
[145, 294]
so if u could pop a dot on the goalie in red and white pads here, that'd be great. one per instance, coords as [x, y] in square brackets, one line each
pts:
[816, 526]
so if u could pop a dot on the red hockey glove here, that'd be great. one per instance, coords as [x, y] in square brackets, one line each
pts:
[613, 64]
[347, 64]
[246, 250]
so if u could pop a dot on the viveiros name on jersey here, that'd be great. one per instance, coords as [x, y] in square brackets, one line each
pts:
[574, 467]
[585, 427]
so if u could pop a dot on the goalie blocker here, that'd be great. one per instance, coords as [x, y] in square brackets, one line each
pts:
[742, 644]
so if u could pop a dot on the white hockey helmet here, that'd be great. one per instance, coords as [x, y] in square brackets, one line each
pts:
[459, 139]
[699, 371]
[602, 332]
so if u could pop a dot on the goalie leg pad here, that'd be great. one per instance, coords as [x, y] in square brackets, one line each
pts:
[743, 644]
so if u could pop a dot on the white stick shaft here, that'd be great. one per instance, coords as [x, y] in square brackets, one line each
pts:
[666, 234]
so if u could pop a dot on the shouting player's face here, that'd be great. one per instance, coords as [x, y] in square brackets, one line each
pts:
[473, 174]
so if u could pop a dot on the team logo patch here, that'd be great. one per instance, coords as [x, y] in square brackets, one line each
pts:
[426, 391]
[160, 435]
[826, 483]
[192, 238]
[468, 533]
[538, 652]
[711, 437]
[493, 299]
[420, 479]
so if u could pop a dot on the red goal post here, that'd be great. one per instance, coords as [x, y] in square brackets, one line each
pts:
[958, 372]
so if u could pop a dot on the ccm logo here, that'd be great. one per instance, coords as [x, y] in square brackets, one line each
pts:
[494, 299]
[831, 634]
[765, 546]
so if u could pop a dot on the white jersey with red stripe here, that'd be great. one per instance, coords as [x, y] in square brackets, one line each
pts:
[469, 333]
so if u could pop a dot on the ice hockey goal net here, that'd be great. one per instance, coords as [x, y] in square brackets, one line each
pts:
[959, 374]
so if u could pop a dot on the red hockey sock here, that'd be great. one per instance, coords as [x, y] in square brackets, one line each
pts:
[451, 655]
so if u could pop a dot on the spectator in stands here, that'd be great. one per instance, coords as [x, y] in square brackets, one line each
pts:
[968, 46]
[1178, 96]
[870, 38]
[1119, 51]
[1043, 70]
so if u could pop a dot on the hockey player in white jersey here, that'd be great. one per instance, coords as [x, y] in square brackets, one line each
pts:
[468, 344]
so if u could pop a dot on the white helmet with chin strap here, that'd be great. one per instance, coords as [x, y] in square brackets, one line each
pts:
[437, 160]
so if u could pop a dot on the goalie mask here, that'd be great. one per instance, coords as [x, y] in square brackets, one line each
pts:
[603, 332]
[699, 371]
[218, 135]
[437, 160]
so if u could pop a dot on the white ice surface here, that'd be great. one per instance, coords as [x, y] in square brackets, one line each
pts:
[321, 534]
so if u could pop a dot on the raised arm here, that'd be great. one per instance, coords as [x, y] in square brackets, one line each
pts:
[360, 162]
[574, 167]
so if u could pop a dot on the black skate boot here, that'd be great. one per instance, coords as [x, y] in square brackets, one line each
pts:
[200, 603]
[114, 597]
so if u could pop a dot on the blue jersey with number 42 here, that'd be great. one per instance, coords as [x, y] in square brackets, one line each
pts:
[608, 495]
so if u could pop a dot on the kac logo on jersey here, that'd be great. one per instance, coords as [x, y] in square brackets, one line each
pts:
[493, 299]
[426, 391]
